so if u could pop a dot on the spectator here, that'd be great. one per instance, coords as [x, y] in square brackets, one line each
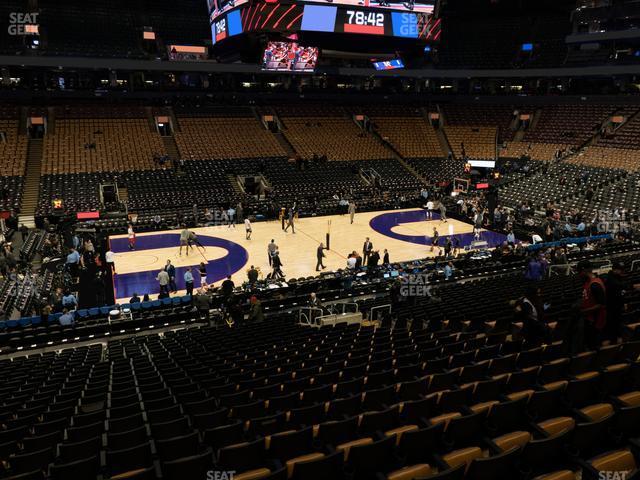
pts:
[188, 281]
[448, 271]
[171, 271]
[227, 287]
[72, 262]
[163, 280]
[67, 319]
[135, 298]
[69, 300]
[202, 302]
[593, 306]
[615, 285]
[530, 311]
[203, 273]
[535, 269]
[110, 260]
[252, 275]
[24, 232]
[255, 310]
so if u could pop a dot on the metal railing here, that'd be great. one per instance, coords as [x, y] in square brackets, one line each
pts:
[306, 316]
[374, 313]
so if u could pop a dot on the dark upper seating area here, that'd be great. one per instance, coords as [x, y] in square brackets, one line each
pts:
[9, 44]
[181, 24]
[496, 41]
[111, 30]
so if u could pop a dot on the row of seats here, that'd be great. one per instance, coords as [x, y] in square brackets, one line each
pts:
[337, 138]
[202, 137]
[13, 149]
[101, 145]
[412, 137]
[314, 404]
[474, 142]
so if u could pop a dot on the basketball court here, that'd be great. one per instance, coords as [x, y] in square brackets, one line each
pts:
[406, 234]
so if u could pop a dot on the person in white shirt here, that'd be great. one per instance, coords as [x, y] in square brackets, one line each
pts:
[429, 210]
[110, 258]
[351, 263]
[132, 237]
[247, 228]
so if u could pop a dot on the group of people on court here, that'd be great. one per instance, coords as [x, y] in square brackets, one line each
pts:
[166, 279]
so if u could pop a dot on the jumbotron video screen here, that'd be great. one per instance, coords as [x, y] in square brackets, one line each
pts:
[404, 20]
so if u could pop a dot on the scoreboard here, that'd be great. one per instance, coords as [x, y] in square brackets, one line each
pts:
[363, 17]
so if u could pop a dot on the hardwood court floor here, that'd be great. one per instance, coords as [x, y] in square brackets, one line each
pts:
[406, 234]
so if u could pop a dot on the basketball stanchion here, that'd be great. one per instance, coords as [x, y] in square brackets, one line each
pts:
[328, 234]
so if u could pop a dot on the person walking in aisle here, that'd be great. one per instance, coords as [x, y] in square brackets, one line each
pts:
[188, 281]
[320, 255]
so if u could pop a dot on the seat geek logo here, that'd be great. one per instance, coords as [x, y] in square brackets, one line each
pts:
[612, 475]
[220, 475]
[21, 24]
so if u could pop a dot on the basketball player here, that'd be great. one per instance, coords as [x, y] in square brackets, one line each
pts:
[184, 240]
[132, 237]
[443, 213]
[290, 221]
[247, 228]
[193, 238]
[429, 210]
[435, 238]
[352, 210]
